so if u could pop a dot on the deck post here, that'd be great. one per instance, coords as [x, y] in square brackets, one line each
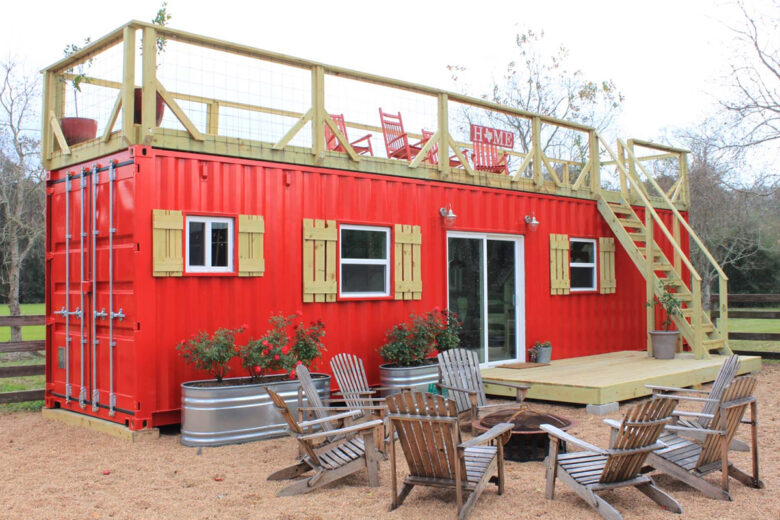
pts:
[685, 196]
[649, 289]
[149, 97]
[676, 234]
[621, 159]
[536, 137]
[595, 163]
[723, 306]
[698, 332]
[128, 87]
[49, 101]
[318, 111]
[444, 134]
[632, 169]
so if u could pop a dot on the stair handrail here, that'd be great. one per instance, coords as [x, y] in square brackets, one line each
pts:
[636, 184]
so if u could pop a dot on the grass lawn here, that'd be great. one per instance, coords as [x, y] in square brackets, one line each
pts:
[753, 325]
[14, 384]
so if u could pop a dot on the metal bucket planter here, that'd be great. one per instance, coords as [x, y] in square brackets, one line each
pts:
[218, 415]
[664, 343]
[418, 377]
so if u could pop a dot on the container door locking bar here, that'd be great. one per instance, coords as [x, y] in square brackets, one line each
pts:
[94, 179]
[83, 391]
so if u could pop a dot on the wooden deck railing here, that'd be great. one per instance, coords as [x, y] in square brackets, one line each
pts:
[532, 169]
[22, 370]
[752, 314]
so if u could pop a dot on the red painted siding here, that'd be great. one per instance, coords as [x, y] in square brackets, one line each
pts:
[163, 311]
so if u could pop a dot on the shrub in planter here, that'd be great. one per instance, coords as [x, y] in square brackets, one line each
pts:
[419, 341]
[410, 349]
[665, 341]
[211, 353]
[541, 352]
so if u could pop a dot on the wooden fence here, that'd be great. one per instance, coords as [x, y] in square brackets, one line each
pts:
[23, 370]
[751, 299]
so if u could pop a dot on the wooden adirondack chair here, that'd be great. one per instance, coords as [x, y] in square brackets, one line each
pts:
[433, 154]
[459, 373]
[331, 453]
[332, 143]
[353, 383]
[429, 434]
[597, 469]
[689, 461]
[487, 158]
[726, 374]
[396, 139]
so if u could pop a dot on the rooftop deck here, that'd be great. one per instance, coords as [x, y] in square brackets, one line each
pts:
[233, 100]
[606, 378]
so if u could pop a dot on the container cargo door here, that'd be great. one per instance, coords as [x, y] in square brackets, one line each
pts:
[485, 281]
[90, 242]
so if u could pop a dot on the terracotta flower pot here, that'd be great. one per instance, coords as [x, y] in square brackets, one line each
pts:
[78, 129]
[138, 107]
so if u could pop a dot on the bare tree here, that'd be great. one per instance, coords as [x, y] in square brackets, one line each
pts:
[755, 103]
[22, 188]
[543, 83]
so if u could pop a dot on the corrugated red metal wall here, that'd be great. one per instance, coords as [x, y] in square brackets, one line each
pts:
[171, 309]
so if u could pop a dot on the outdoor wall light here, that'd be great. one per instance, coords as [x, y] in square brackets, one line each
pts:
[531, 222]
[447, 216]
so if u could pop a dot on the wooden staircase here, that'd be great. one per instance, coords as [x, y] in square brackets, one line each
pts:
[632, 234]
[637, 238]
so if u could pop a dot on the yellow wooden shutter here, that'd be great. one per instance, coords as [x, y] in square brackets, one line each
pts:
[167, 231]
[320, 240]
[250, 245]
[607, 282]
[408, 279]
[559, 264]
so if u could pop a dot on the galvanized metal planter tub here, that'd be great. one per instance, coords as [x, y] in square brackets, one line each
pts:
[214, 416]
[419, 377]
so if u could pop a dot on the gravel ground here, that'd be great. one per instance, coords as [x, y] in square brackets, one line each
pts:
[52, 470]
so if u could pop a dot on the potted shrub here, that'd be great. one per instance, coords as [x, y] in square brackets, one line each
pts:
[224, 410]
[78, 129]
[664, 342]
[411, 348]
[541, 352]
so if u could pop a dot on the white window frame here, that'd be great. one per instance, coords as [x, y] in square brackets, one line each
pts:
[208, 268]
[365, 261]
[594, 286]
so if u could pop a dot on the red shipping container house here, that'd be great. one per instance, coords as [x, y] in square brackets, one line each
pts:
[232, 208]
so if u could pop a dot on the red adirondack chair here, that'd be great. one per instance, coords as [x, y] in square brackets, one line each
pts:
[433, 153]
[488, 158]
[396, 140]
[333, 144]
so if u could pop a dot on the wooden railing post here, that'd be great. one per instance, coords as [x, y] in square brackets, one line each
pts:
[536, 138]
[685, 195]
[623, 181]
[631, 169]
[444, 133]
[595, 163]
[318, 109]
[649, 289]
[128, 87]
[723, 306]
[149, 97]
[696, 322]
[676, 256]
[47, 139]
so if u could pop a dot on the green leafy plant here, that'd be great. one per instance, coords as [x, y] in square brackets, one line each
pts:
[211, 353]
[669, 302]
[410, 343]
[533, 352]
[79, 72]
[276, 351]
[161, 19]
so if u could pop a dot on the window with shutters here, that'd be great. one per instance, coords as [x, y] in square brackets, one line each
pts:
[364, 260]
[582, 264]
[209, 247]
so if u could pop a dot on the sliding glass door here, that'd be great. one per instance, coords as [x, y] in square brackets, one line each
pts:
[485, 280]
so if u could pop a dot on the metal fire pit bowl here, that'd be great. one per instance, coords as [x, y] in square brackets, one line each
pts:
[528, 442]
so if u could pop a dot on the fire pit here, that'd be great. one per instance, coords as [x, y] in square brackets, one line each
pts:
[528, 442]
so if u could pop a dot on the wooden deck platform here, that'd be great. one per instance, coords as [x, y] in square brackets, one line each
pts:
[605, 378]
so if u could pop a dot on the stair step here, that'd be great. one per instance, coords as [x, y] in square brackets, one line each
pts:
[663, 267]
[619, 208]
[713, 344]
[637, 237]
[632, 223]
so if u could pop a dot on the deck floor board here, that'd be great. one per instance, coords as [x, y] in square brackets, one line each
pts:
[605, 378]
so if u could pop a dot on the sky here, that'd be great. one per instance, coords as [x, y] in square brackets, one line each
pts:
[669, 58]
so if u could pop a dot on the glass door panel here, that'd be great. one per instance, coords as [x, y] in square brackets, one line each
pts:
[466, 260]
[501, 316]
